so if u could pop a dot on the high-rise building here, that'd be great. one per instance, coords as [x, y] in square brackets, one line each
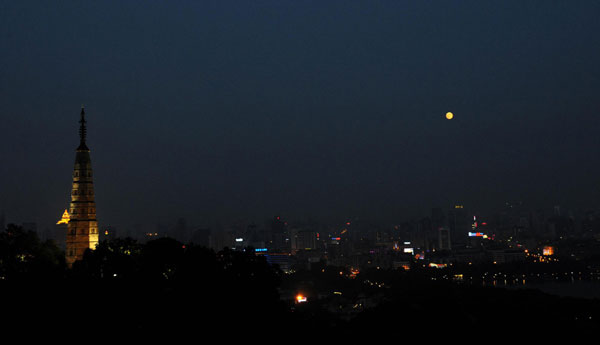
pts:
[82, 230]
[303, 239]
[444, 238]
[180, 231]
[459, 224]
[279, 237]
[437, 218]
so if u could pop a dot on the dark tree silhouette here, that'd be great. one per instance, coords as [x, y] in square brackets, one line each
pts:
[116, 258]
[24, 256]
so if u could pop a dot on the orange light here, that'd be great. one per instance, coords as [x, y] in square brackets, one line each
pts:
[65, 218]
[300, 298]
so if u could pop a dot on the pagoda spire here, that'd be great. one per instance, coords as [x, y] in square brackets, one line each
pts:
[82, 226]
[82, 131]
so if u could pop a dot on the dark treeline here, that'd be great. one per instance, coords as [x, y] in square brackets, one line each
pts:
[166, 287]
[160, 286]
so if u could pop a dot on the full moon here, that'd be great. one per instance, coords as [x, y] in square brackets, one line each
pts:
[449, 115]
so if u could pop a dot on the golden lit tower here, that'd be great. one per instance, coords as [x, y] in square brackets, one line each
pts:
[82, 230]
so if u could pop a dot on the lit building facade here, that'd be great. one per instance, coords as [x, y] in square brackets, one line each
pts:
[82, 232]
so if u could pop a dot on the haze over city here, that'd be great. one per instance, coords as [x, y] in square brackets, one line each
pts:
[241, 110]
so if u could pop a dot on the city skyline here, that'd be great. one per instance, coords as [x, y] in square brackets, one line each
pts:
[339, 168]
[211, 112]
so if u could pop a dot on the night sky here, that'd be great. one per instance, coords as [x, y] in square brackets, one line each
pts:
[240, 110]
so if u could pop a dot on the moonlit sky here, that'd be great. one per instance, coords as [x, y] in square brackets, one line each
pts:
[228, 110]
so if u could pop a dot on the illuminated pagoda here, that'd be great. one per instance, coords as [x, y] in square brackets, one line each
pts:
[82, 230]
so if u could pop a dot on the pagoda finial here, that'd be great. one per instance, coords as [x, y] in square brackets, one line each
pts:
[82, 131]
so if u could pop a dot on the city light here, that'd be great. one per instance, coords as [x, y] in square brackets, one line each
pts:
[300, 298]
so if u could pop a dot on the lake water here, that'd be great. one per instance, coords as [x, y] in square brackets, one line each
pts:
[575, 288]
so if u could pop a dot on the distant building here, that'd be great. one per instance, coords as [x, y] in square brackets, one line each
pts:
[468, 255]
[221, 239]
[279, 240]
[444, 238]
[405, 265]
[437, 219]
[507, 255]
[283, 260]
[459, 224]
[548, 251]
[180, 231]
[201, 237]
[303, 240]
